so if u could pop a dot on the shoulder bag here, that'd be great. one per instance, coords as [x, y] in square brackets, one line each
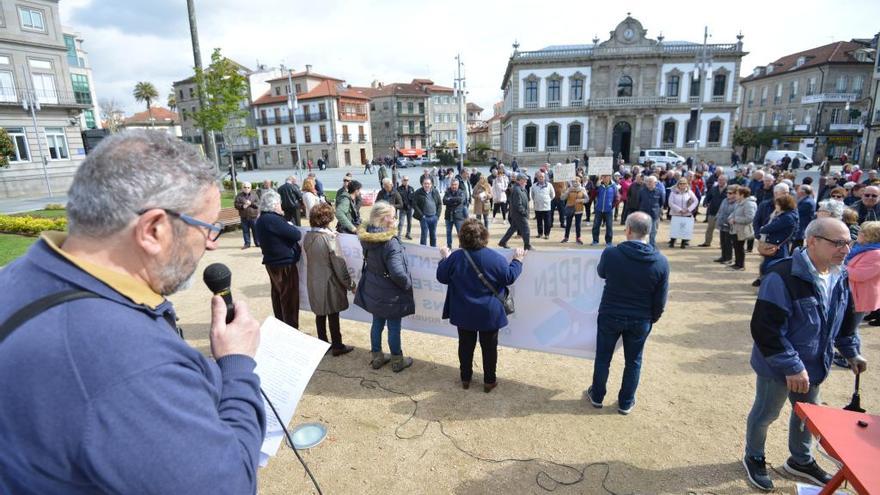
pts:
[506, 301]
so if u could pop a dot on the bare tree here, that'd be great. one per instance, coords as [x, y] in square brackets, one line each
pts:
[111, 113]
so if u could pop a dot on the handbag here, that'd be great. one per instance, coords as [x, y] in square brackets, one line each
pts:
[769, 249]
[506, 301]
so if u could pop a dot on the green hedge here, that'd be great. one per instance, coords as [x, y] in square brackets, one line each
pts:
[30, 225]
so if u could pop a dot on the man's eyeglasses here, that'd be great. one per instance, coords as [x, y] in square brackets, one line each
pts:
[214, 229]
[838, 243]
[869, 195]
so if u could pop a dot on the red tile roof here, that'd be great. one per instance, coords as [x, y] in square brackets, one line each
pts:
[303, 74]
[161, 116]
[839, 52]
[323, 90]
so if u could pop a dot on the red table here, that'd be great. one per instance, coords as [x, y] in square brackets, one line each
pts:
[858, 448]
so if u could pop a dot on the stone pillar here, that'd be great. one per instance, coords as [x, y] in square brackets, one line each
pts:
[609, 135]
[636, 144]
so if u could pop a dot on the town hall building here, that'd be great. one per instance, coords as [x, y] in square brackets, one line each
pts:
[619, 97]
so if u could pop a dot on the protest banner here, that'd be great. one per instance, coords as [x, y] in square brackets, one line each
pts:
[557, 297]
[563, 172]
[601, 165]
[681, 228]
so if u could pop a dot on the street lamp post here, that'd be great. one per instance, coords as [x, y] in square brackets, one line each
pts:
[31, 103]
[460, 85]
[292, 106]
[703, 64]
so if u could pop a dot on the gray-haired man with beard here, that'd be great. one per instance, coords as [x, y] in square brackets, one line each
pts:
[98, 391]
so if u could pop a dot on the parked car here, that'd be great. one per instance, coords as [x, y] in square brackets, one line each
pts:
[659, 156]
[775, 157]
[404, 162]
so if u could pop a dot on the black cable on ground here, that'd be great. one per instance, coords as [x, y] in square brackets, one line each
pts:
[290, 441]
[543, 479]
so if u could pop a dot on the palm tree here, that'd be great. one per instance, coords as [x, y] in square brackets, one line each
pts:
[172, 101]
[145, 92]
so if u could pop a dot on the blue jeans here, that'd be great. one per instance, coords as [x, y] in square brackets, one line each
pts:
[654, 224]
[576, 219]
[247, 228]
[428, 225]
[634, 332]
[405, 213]
[449, 225]
[603, 216]
[770, 395]
[393, 335]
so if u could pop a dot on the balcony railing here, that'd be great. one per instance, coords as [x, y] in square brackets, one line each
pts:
[718, 99]
[667, 146]
[637, 101]
[710, 144]
[346, 138]
[13, 95]
[576, 103]
[362, 138]
[530, 149]
[693, 100]
[285, 119]
[573, 147]
[553, 104]
[531, 104]
[829, 98]
[846, 127]
[597, 51]
[553, 149]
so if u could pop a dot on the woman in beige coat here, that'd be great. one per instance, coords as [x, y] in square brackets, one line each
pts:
[327, 277]
[483, 200]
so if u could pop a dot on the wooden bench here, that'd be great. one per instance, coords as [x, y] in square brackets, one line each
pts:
[230, 218]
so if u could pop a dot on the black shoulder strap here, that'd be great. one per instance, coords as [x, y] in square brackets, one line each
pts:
[480, 274]
[40, 305]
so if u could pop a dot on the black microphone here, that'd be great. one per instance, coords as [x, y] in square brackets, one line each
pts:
[218, 278]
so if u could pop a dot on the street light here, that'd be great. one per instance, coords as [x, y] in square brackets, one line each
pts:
[30, 102]
[703, 64]
[292, 106]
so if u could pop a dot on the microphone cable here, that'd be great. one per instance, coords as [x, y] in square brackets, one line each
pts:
[290, 442]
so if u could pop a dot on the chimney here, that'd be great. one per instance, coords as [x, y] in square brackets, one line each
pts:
[308, 68]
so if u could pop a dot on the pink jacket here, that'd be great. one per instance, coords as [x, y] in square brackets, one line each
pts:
[864, 280]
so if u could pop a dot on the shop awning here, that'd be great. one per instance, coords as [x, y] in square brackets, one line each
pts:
[413, 152]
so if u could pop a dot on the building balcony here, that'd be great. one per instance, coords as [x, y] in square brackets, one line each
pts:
[551, 149]
[353, 117]
[530, 149]
[14, 96]
[576, 103]
[718, 99]
[629, 101]
[846, 127]
[553, 104]
[829, 98]
[573, 147]
[667, 146]
[346, 138]
[286, 119]
[531, 104]
[362, 138]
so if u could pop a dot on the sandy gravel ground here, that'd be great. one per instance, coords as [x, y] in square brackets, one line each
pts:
[419, 432]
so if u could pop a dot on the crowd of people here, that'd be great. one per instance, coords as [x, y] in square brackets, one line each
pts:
[142, 212]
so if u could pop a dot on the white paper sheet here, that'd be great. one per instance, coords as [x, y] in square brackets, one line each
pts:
[286, 361]
[804, 489]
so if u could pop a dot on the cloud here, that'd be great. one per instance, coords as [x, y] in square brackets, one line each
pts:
[398, 40]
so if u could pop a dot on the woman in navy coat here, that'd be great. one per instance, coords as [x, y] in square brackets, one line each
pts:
[470, 305]
[781, 228]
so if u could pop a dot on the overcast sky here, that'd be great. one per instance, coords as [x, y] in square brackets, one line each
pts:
[398, 40]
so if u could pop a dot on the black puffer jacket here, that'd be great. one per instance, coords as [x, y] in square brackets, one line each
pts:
[385, 289]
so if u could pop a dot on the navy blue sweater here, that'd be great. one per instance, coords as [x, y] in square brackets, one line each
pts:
[636, 281]
[102, 395]
[279, 240]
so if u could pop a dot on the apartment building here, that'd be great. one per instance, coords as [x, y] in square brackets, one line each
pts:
[81, 79]
[35, 73]
[332, 121]
[816, 100]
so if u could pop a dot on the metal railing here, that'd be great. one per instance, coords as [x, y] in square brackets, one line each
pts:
[362, 138]
[13, 95]
[346, 138]
[285, 119]
[599, 51]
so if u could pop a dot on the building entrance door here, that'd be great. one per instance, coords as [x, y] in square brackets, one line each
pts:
[347, 158]
[621, 140]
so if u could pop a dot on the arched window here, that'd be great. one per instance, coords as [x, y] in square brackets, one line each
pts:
[668, 133]
[575, 131]
[672, 86]
[531, 137]
[554, 91]
[552, 142]
[714, 132]
[624, 87]
[531, 92]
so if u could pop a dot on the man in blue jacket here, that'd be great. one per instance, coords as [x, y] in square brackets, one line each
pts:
[651, 200]
[636, 282]
[803, 311]
[806, 213]
[606, 198]
[101, 394]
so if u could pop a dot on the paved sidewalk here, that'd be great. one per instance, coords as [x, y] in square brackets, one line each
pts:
[19, 205]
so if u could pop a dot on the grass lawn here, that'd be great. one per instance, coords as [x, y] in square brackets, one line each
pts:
[12, 246]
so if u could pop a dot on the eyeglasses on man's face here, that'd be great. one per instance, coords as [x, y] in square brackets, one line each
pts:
[214, 229]
[869, 195]
[838, 243]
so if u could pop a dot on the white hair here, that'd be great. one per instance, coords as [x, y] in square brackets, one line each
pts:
[385, 181]
[833, 207]
[783, 187]
[269, 201]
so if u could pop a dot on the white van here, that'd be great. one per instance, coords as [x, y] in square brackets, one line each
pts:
[659, 156]
[775, 157]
